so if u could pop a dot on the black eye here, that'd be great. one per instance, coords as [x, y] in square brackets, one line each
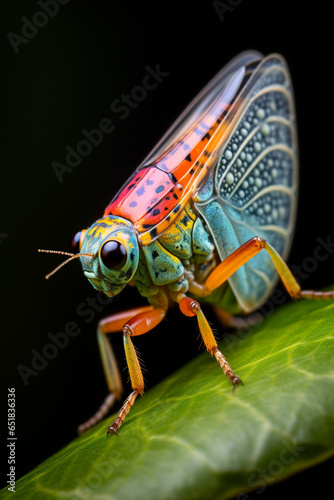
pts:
[75, 242]
[113, 254]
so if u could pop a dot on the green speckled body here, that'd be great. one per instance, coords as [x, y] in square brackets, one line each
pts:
[184, 253]
[166, 261]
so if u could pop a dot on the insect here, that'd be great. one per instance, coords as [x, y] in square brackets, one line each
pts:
[208, 216]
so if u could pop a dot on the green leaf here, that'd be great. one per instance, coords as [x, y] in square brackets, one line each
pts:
[191, 437]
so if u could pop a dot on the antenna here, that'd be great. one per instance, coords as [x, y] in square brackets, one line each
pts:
[71, 255]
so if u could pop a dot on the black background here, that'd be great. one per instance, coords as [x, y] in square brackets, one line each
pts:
[63, 81]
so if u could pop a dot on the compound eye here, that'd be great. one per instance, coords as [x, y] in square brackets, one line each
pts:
[75, 242]
[113, 254]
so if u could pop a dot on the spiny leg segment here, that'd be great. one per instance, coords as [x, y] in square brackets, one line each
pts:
[138, 325]
[112, 324]
[190, 307]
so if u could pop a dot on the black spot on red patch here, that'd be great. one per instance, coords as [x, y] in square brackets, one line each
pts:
[156, 211]
[175, 196]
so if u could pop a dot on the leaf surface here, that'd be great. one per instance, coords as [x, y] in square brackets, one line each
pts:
[192, 437]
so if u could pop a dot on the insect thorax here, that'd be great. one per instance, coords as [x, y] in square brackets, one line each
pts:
[183, 253]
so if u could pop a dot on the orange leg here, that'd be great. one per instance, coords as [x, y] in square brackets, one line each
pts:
[229, 321]
[190, 307]
[138, 325]
[248, 250]
[230, 265]
[112, 324]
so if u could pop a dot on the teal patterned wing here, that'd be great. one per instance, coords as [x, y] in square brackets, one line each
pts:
[253, 189]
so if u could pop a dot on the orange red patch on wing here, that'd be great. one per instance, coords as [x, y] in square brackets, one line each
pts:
[156, 193]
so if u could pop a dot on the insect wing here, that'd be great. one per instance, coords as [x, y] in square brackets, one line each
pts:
[171, 174]
[208, 98]
[253, 189]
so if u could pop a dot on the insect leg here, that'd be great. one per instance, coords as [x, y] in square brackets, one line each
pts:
[229, 321]
[248, 250]
[138, 325]
[111, 324]
[190, 307]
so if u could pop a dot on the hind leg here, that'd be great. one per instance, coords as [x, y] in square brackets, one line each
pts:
[243, 254]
